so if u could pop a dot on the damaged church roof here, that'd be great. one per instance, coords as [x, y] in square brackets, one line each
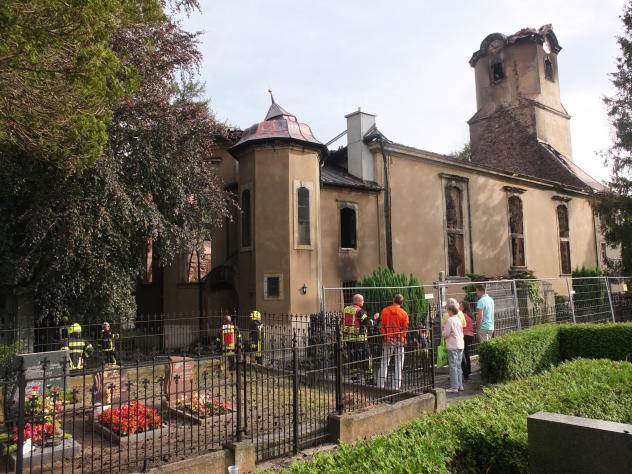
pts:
[538, 35]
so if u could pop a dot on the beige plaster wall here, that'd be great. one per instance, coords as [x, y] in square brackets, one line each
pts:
[347, 265]
[418, 223]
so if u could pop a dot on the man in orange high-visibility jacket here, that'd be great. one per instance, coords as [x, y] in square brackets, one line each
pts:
[394, 324]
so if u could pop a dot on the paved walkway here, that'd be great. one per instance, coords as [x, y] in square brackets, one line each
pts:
[473, 386]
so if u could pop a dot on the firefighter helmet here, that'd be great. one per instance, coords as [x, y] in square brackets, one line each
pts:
[255, 315]
[74, 328]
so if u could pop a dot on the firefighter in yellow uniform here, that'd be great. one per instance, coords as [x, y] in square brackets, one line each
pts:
[355, 329]
[79, 350]
[256, 337]
[228, 335]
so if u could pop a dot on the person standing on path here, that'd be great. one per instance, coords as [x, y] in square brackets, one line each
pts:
[453, 333]
[468, 336]
[484, 314]
[394, 324]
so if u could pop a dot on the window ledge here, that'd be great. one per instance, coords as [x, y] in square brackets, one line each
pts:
[246, 249]
[188, 285]
[347, 250]
[457, 279]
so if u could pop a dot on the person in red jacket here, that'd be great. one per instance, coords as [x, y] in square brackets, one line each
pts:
[394, 324]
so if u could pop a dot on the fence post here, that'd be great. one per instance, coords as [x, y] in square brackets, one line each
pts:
[516, 308]
[238, 387]
[610, 299]
[570, 299]
[295, 393]
[245, 394]
[338, 350]
[21, 401]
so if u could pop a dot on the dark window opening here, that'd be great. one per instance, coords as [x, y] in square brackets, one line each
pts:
[348, 290]
[348, 238]
[604, 251]
[246, 237]
[565, 246]
[302, 197]
[517, 232]
[273, 287]
[455, 232]
[498, 72]
[548, 69]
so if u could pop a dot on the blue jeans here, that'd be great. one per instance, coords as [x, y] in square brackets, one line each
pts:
[455, 357]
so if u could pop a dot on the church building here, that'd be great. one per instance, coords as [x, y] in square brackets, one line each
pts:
[311, 218]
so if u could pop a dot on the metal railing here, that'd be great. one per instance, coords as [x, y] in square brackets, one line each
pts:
[144, 414]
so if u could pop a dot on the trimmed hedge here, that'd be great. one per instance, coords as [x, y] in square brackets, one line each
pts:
[593, 341]
[488, 433]
[521, 354]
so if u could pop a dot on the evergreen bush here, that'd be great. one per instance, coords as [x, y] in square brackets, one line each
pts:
[377, 299]
[521, 354]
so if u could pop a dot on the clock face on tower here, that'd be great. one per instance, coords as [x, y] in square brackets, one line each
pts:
[495, 46]
[546, 46]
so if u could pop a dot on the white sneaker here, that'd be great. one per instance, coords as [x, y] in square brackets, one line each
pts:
[452, 390]
[461, 389]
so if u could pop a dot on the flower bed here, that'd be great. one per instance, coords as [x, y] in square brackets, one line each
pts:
[131, 421]
[200, 408]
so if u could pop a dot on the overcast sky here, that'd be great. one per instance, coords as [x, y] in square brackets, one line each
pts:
[405, 61]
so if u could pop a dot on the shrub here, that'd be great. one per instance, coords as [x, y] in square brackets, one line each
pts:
[519, 354]
[375, 300]
[608, 341]
[488, 433]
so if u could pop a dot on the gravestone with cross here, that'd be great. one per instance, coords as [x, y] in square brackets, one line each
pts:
[42, 372]
[181, 374]
[110, 386]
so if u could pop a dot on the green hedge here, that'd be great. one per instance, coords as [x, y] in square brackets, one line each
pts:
[521, 354]
[488, 433]
[608, 341]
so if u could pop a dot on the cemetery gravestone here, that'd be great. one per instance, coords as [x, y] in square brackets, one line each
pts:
[110, 386]
[180, 378]
[42, 370]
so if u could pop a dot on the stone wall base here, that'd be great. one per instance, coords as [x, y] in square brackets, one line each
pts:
[382, 419]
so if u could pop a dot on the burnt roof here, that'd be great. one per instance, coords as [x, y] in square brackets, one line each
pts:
[332, 175]
[536, 35]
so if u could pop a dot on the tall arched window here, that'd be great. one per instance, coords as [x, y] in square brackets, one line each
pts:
[548, 70]
[348, 239]
[454, 230]
[302, 201]
[565, 246]
[246, 219]
[516, 229]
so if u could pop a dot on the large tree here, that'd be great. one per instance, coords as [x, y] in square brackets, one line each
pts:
[615, 207]
[77, 236]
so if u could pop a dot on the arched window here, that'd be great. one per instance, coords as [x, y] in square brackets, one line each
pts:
[548, 70]
[454, 230]
[498, 73]
[302, 200]
[246, 219]
[348, 239]
[565, 246]
[517, 232]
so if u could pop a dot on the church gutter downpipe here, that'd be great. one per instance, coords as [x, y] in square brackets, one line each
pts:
[387, 209]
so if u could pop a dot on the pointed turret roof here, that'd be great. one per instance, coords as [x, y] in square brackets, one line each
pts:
[278, 125]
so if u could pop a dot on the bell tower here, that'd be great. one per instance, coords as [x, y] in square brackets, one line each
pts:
[279, 230]
[518, 85]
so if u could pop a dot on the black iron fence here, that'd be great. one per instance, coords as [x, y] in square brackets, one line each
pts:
[133, 417]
